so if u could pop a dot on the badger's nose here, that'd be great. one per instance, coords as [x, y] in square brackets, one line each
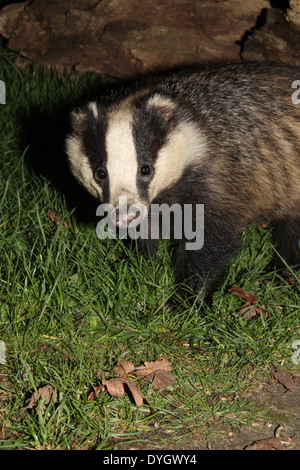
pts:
[127, 217]
[124, 221]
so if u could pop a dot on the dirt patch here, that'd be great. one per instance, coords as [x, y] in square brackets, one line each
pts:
[278, 430]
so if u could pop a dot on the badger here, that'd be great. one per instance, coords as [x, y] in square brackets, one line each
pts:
[225, 136]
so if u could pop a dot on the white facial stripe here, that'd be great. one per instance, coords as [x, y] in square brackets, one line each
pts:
[121, 157]
[80, 166]
[185, 146]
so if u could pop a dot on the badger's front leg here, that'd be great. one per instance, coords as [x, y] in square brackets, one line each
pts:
[202, 270]
[147, 247]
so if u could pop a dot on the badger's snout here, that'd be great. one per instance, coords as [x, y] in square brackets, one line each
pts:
[129, 217]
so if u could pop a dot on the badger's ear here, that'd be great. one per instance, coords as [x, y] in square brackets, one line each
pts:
[78, 118]
[164, 108]
[89, 115]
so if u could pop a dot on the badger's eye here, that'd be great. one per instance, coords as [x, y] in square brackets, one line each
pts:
[145, 170]
[99, 174]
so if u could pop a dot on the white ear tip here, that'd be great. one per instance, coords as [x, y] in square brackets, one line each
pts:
[93, 107]
[160, 101]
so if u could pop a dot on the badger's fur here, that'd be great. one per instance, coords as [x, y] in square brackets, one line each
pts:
[223, 135]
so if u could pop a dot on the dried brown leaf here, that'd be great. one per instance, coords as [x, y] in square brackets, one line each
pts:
[158, 371]
[116, 388]
[44, 395]
[95, 392]
[239, 292]
[55, 218]
[250, 309]
[124, 368]
[153, 366]
[284, 378]
[279, 443]
[162, 379]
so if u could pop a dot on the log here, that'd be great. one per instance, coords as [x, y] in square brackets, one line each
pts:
[126, 38]
[277, 40]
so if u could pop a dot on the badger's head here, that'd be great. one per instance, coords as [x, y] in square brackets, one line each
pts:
[131, 151]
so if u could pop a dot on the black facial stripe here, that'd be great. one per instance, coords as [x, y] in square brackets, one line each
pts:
[149, 134]
[93, 137]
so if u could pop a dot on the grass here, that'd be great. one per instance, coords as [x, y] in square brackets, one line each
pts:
[72, 306]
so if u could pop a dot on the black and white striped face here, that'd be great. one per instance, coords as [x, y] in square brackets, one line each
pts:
[132, 151]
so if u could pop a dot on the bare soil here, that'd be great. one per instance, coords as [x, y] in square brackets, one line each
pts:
[279, 429]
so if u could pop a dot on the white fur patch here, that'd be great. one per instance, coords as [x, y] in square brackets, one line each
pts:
[93, 108]
[186, 146]
[159, 101]
[80, 166]
[122, 164]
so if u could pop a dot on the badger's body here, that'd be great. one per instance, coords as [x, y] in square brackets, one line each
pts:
[223, 135]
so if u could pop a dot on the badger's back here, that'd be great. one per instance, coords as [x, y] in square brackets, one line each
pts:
[252, 131]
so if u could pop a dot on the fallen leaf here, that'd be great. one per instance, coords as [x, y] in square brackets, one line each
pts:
[116, 388]
[284, 378]
[239, 292]
[150, 367]
[156, 371]
[95, 392]
[162, 379]
[43, 395]
[55, 218]
[124, 368]
[276, 443]
[250, 309]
